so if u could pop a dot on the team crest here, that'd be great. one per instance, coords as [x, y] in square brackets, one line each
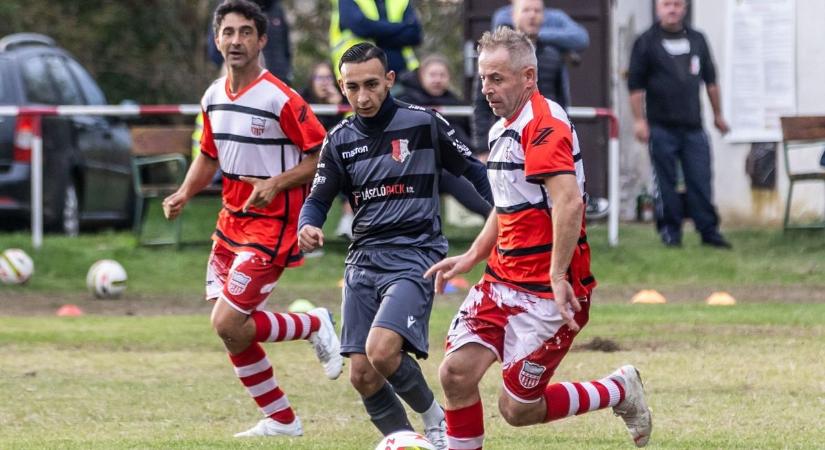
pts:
[400, 149]
[238, 282]
[530, 374]
[258, 125]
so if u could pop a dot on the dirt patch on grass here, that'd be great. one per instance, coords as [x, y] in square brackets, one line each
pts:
[22, 303]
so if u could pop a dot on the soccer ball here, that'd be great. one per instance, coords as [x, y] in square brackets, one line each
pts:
[16, 267]
[106, 279]
[405, 440]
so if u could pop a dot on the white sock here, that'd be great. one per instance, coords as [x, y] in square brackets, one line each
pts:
[433, 416]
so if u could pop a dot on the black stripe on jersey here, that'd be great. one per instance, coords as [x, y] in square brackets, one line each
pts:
[393, 230]
[295, 258]
[529, 286]
[504, 165]
[577, 157]
[252, 214]
[242, 110]
[535, 250]
[538, 178]
[418, 137]
[234, 176]
[251, 140]
[404, 187]
[587, 280]
[525, 251]
[260, 247]
[520, 207]
[507, 133]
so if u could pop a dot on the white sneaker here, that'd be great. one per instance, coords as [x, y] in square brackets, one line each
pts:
[633, 409]
[269, 427]
[326, 343]
[437, 435]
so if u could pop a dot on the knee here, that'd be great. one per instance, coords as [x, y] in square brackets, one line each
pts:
[230, 332]
[512, 412]
[455, 379]
[384, 359]
[363, 377]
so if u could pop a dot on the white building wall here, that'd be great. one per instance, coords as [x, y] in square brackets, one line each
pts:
[738, 204]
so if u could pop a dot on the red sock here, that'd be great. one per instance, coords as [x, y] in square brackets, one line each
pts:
[253, 368]
[465, 427]
[568, 399]
[276, 327]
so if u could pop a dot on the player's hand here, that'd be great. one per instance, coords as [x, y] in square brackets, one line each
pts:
[448, 268]
[173, 205]
[566, 301]
[721, 124]
[263, 191]
[310, 238]
[641, 130]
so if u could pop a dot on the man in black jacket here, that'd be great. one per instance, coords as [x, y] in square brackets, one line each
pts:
[668, 64]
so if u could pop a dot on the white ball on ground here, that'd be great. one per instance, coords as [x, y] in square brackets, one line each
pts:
[106, 279]
[300, 305]
[406, 440]
[16, 267]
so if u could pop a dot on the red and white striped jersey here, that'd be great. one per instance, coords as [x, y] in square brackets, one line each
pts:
[261, 131]
[539, 142]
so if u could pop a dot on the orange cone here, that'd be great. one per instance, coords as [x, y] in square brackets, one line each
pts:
[69, 311]
[720, 299]
[648, 297]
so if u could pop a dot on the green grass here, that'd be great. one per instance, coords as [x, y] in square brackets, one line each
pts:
[744, 377]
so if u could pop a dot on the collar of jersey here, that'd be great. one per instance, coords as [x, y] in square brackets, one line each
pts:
[381, 119]
[249, 86]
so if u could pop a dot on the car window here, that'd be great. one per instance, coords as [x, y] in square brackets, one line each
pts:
[93, 94]
[38, 85]
[6, 90]
[67, 90]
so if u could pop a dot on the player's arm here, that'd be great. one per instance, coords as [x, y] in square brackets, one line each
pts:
[199, 175]
[325, 187]
[455, 156]
[567, 211]
[636, 84]
[264, 190]
[463, 263]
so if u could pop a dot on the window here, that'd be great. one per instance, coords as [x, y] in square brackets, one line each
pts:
[67, 90]
[38, 85]
[93, 94]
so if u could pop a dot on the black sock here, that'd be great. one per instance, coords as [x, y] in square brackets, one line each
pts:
[409, 384]
[386, 411]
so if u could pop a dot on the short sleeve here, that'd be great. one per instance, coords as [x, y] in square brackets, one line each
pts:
[208, 147]
[548, 149]
[300, 124]
[708, 69]
[637, 72]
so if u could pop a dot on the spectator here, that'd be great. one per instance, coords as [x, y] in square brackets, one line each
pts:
[554, 34]
[323, 90]
[668, 64]
[391, 25]
[276, 56]
[429, 86]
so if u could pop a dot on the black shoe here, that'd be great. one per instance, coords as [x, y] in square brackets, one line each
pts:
[672, 243]
[716, 241]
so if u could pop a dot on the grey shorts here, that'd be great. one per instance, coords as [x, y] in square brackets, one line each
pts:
[386, 288]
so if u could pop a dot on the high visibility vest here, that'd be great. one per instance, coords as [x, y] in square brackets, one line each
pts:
[341, 40]
[196, 136]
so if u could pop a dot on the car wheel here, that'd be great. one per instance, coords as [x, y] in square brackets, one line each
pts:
[70, 211]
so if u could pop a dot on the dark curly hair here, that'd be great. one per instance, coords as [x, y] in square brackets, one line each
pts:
[245, 8]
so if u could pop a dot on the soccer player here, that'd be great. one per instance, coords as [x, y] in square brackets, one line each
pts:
[387, 159]
[265, 139]
[535, 293]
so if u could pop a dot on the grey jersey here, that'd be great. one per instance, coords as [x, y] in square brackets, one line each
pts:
[388, 167]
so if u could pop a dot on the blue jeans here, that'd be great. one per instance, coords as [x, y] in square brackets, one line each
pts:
[688, 147]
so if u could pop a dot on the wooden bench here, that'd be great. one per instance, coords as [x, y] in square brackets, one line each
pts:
[160, 158]
[802, 133]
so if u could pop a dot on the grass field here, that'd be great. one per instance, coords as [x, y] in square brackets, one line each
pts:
[147, 372]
